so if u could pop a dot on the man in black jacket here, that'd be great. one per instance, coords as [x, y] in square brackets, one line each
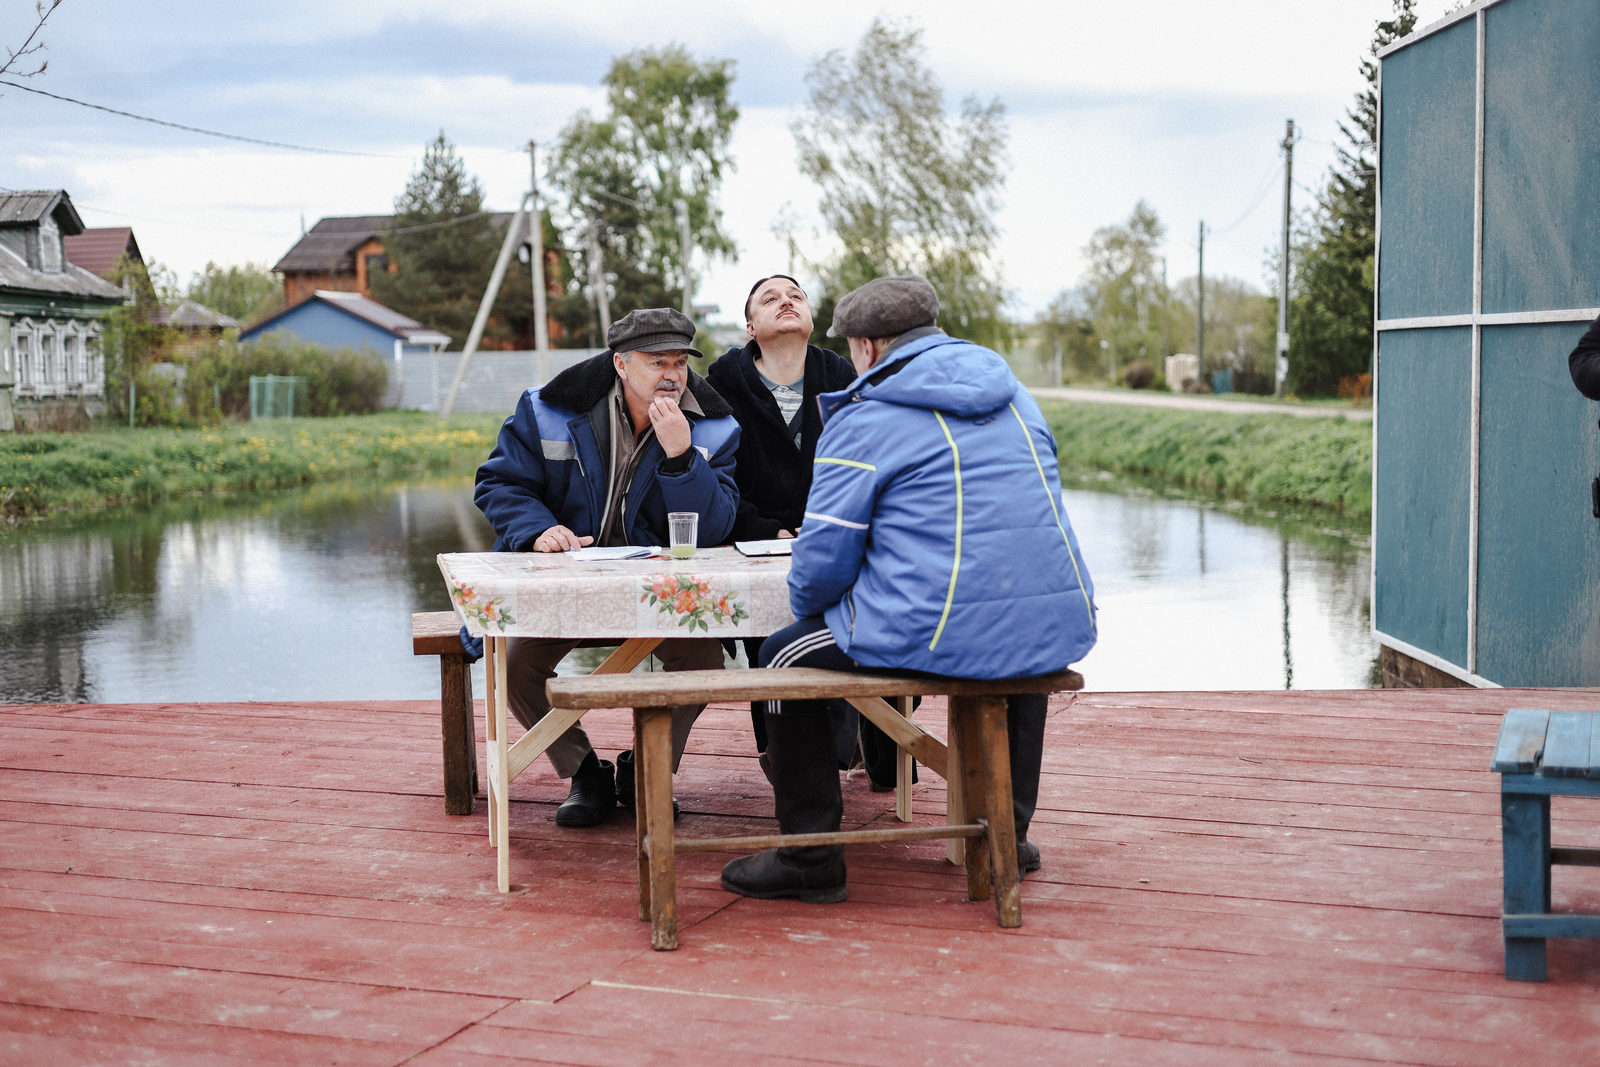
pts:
[772, 384]
[1583, 363]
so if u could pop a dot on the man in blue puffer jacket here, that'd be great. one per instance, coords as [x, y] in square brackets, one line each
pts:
[600, 455]
[935, 540]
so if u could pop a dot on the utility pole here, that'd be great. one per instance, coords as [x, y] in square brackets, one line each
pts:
[597, 278]
[1282, 369]
[541, 325]
[1200, 311]
[682, 207]
[513, 237]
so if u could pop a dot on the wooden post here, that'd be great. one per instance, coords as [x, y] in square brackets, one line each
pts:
[652, 789]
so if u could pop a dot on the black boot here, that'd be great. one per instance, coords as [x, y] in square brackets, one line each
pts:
[770, 875]
[593, 795]
[625, 782]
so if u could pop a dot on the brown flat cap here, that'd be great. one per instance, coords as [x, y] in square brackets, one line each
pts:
[652, 330]
[885, 307]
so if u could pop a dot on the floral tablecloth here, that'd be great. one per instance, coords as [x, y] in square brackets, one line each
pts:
[717, 593]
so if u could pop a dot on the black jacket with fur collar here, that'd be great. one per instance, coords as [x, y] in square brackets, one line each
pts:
[773, 475]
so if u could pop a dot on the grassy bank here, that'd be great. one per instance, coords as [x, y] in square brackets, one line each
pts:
[50, 473]
[1264, 459]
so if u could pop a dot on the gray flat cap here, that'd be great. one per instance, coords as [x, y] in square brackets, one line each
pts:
[885, 307]
[652, 330]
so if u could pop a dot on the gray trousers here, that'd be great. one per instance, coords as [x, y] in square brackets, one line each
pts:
[531, 661]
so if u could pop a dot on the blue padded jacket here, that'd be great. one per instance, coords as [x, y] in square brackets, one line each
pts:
[935, 538]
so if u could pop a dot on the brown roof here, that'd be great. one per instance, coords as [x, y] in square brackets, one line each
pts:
[98, 250]
[330, 245]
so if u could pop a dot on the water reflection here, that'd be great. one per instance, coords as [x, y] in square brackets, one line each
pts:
[295, 595]
[307, 595]
[1193, 596]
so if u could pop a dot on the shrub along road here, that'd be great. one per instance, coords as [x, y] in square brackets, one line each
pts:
[1257, 452]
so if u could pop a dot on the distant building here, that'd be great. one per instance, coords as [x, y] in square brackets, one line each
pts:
[52, 371]
[193, 325]
[337, 319]
[344, 254]
[337, 254]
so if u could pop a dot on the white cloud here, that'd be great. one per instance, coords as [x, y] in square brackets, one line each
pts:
[1175, 102]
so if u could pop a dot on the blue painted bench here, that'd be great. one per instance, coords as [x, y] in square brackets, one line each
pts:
[1541, 754]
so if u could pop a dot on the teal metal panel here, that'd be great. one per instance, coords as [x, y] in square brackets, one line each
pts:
[1541, 160]
[1420, 516]
[1429, 121]
[1538, 541]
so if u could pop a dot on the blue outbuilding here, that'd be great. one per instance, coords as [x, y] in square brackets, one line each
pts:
[349, 320]
[1486, 552]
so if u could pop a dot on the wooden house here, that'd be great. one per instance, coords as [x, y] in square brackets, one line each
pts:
[344, 254]
[337, 254]
[52, 370]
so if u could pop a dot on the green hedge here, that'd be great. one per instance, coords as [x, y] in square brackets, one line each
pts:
[57, 472]
[339, 381]
[1268, 458]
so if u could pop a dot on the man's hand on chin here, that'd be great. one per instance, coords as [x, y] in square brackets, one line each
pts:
[670, 425]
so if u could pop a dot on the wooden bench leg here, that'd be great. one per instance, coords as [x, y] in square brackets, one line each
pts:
[458, 734]
[955, 797]
[903, 764]
[966, 739]
[1002, 835]
[1525, 843]
[641, 808]
[652, 768]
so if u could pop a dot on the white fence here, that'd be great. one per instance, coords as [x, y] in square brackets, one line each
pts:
[494, 380]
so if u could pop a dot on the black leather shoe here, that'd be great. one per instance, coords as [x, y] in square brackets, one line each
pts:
[1027, 857]
[625, 783]
[768, 876]
[593, 796]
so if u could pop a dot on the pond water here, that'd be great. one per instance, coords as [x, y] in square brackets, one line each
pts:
[307, 595]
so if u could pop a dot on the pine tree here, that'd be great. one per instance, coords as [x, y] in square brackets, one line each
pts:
[442, 247]
[1330, 311]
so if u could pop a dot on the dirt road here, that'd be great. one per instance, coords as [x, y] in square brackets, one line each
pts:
[1153, 399]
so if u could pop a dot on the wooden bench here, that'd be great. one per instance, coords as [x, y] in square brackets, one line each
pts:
[1541, 754]
[438, 633]
[977, 757]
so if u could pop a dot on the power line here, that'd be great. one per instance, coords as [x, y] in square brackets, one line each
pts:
[194, 129]
[1255, 201]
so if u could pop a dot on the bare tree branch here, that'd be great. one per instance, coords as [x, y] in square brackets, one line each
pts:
[31, 46]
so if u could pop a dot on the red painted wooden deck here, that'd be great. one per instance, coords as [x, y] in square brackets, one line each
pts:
[1230, 878]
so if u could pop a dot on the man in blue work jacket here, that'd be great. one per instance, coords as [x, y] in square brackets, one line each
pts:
[600, 455]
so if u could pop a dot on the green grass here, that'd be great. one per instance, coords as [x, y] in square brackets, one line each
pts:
[1263, 459]
[56, 473]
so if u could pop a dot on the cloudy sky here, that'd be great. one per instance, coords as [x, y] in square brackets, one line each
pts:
[1180, 103]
